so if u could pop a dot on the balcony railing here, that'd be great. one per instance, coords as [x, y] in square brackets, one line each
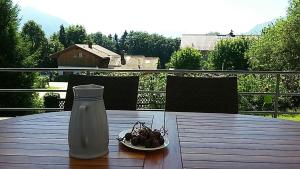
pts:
[156, 97]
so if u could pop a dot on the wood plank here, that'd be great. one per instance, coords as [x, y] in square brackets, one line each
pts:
[199, 130]
[234, 123]
[172, 154]
[37, 166]
[246, 127]
[21, 132]
[65, 153]
[240, 158]
[241, 136]
[50, 160]
[246, 152]
[270, 141]
[45, 123]
[66, 120]
[224, 117]
[295, 147]
[154, 160]
[236, 165]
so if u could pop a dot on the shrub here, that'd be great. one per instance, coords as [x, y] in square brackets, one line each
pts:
[51, 100]
[187, 58]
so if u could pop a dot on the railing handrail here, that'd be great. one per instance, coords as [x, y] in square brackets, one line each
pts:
[140, 91]
[146, 70]
[275, 94]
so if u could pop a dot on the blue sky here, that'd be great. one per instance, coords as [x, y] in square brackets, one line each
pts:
[168, 17]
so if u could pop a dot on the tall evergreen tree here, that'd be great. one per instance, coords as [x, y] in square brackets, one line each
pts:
[63, 36]
[110, 37]
[12, 55]
[116, 42]
[8, 34]
[122, 41]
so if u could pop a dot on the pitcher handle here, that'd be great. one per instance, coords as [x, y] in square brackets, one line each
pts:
[84, 139]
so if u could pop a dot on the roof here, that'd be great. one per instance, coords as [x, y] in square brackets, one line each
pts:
[140, 62]
[201, 42]
[205, 42]
[96, 50]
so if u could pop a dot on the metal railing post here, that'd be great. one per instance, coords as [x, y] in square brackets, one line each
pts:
[277, 94]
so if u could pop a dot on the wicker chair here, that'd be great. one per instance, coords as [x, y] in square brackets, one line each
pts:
[208, 95]
[120, 93]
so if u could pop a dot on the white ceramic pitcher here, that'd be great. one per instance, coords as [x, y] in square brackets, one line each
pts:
[88, 128]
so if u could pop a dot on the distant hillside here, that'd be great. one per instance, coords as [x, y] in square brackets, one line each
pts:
[256, 30]
[50, 24]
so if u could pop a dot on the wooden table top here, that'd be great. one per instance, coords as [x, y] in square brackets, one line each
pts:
[197, 140]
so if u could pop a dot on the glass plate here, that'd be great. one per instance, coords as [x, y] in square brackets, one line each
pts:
[128, 143]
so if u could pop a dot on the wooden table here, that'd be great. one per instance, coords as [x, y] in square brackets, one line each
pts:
[197, 140]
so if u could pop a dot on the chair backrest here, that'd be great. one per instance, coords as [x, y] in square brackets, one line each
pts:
[120, 93]
[209, 95]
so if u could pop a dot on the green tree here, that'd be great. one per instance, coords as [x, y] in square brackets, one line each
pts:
[110, 37]
[229, 54]
[8, 34]
[186, 58]
[36, 43]
[54, 45]
[122, 41]
[34, 35]
[278, 46]
[63, 36]
[142, 43]
[12, 55]
[76, 34]
[102, 40]
[278, 49]
[116, 42]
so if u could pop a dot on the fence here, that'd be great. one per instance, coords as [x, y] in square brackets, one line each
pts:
[151, 94]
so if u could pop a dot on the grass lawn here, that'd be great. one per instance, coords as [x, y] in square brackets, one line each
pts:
[290, 117]
[54, 88]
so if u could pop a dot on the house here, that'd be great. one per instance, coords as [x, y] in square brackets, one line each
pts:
[86, 56]
[95, 56]
[204, 43]
[139, 62]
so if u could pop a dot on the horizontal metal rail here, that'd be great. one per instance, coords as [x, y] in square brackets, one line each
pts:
[29, 90]
[61, 109]
[147, 71]
[31, 109]
[140, 91]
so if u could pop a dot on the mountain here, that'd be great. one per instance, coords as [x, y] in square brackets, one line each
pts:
[50, 24]
[256, 30]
